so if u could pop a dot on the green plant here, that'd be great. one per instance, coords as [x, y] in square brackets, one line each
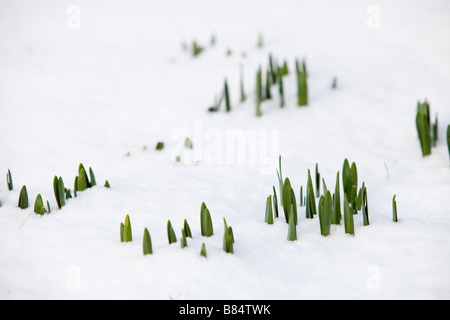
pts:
[269, 211]
[187, 229]
[301, 196]
[147, 243]
[159, 146]
[242, 86]
[48, 207]
[317, 180]
[310, 201]
[364, 205]
[23, 198]
[228, 238]
[394, 209]
[58, 190]
[423, 127]
[203, 250]
[9, 181]
[272, 70]
[39, 205]
[280, 179]
[448, 139]
[268, 85]
[350, 183]
[171, 233]
[281, 88]
[288, 200]
[183, 241]
[325, 213]
[227, 97]
[302, 87]
[127, 235]
[336, 216]
[348, 217]
[292, 229]
[259, 97]
[206, 221]
[275, 202]
[92, 176]
[107, 184]
[196, 48]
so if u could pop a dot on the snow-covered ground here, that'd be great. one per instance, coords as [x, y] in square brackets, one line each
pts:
[101, 82]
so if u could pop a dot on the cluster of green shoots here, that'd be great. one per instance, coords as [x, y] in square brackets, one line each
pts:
[82, 182]
[265, 81]
[329, 204]
[206, 227]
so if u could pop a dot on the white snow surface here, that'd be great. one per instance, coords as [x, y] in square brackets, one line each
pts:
[104, 94]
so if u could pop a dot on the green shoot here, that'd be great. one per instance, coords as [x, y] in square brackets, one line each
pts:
[203, 250]
[107, 184]
[127, 234]
[171, 233]
[269, 211]
[183, 241]
[23, 198]
[205, 221]
[258, 93]
[275, 202]
[228, 238]
[187, 229]
[423, 127]
[159, 146]
[394, 209]
[147, 243]
[9, 181]
[336, 216]
[317, 180]
[242, 87]
[292, 229]
[325, 212]
[227, 97]
[58, 189]
[92, 176]
[39, 205]
[310, 201]
[348, 217]
[365, 207]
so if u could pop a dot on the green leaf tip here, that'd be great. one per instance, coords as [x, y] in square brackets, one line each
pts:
[206, 221]
[228, 238]
[159, 146]
[127, 234]
[9, 181]
[23, 198]
[348, 217]
[203, 250]
[325, 213]
[39, 205]
[292, 229]
[58, 189]
[147, 243]
[187, 229]
[269, 211]
[171, 233]
[394, 209]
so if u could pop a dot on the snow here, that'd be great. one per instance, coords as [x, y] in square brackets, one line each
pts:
[106, 93]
